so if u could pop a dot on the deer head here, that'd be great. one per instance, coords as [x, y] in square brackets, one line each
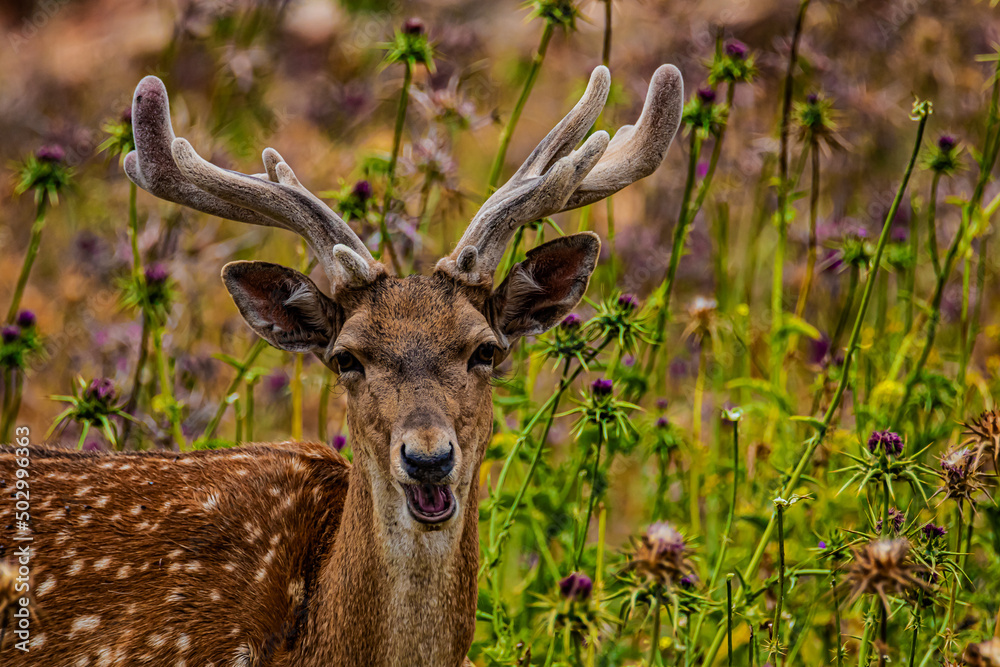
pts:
[415, 354]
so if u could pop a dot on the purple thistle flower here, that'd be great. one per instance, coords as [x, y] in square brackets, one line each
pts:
[689, 581]
[900, 233]
[276, 382]
[706, 95]
[737, 49]
[339, 442]
[662, 403]
[101, 390]
[51, 153]
[822, 544]
[628, 361]
[26, 319]
[362, 190]
[812, 98]
[92, 446]
[702, 169]
[896, 518]
[414, 26]
[127, 115]
[10, 333]
[156, 274]
[931, 531]
[891, 442]
[946, 142]
[571, 321]
[628, 302]
[662, 422]
[576, 587]
[601, 387]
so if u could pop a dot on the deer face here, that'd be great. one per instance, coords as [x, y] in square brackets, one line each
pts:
[415, 357]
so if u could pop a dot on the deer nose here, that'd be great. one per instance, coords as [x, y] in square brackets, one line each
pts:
[428, 468]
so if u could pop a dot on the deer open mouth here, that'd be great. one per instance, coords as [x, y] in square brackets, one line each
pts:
[430, 503]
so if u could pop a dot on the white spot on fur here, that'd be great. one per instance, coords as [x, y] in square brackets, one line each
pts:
[156, 640]
[176, 553]
[82, 661]
[183, 643]
[229, 567]
[103, 563]
[102, 501]
[84, 624]
[76, 566]
[261, 573]
[46, 586]
[214, 596]
[211, 502]
[37, 640]
[84, 491]
[137, 509]
[85, 519]
[124, 571]
[193, 566]
[125, 466]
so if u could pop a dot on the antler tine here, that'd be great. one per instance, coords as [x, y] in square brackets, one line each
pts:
[556, 178]
[169, 168]
[637, 150]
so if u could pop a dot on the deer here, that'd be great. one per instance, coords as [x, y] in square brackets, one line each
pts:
[284, 553]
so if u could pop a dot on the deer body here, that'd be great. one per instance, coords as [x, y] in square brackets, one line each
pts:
[284, 554]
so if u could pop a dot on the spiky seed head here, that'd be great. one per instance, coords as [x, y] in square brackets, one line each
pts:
[984, 434]
[883, 568]
[661, 555]
[962, 475]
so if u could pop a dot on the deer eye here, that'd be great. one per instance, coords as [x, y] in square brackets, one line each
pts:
[348, 363]
[483, 356]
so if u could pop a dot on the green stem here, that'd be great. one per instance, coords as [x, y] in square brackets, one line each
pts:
[397, 138]
[676, 250]
[866, 636]
[167, 388]
[811, 253]
[515, 116]
[776, 637]
[729, 616]
[29, 258]
[606, 51]
[852, 347]
[140, 365]
[251, 411]
[241, 372]
[654, 647]
[590, 501]
[932, 243]
[777, 276]
[916, 629]
[324, 411]
[836, 619]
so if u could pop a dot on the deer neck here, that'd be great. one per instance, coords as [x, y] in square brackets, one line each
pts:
[392, 595]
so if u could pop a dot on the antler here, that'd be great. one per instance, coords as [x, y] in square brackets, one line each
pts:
[557, 178]
[170, 169]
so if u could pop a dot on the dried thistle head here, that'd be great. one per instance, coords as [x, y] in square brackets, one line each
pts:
[883, 568]
[661, 555]
[703, 317]
[984, 435]
[986, 654]
[962, 475]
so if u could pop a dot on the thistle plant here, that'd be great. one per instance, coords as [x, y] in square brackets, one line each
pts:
[20, 345]
[411, 48]
[92, 405]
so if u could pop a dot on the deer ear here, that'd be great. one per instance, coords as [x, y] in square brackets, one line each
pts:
[546, 286]
[283, 306]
